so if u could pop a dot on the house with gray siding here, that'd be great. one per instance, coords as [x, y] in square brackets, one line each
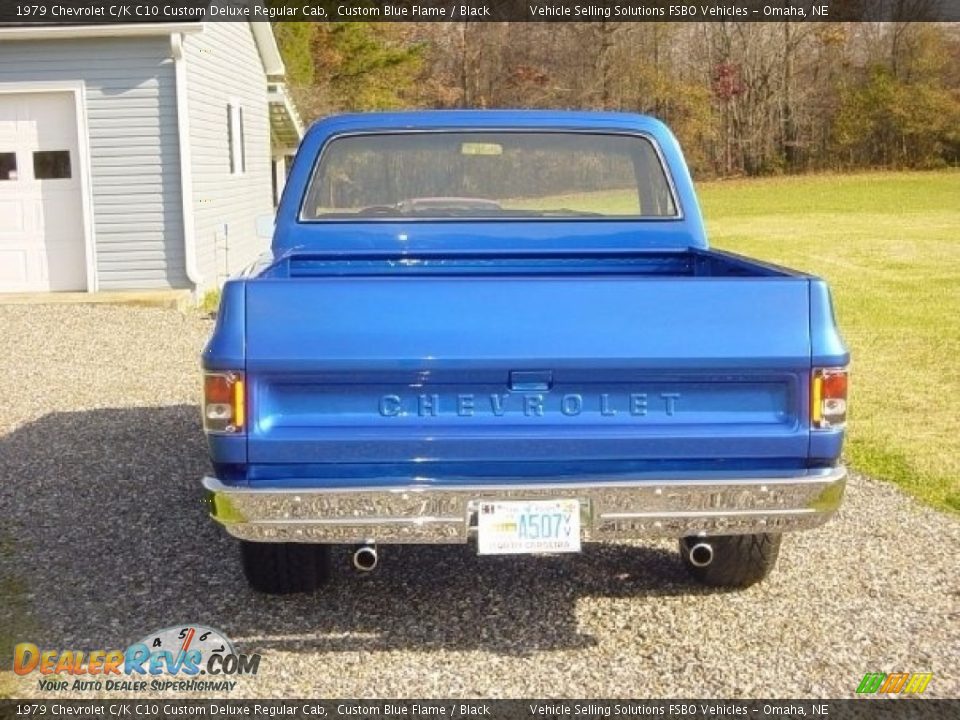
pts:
[138, 156]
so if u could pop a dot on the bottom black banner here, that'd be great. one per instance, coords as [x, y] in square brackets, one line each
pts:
[506, 709]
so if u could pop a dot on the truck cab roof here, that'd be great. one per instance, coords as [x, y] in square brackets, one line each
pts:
[487, 119]
[509, 234]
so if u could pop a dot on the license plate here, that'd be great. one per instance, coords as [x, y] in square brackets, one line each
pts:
[534, 526]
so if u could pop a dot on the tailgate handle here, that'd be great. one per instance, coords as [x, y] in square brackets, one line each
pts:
[531, 379]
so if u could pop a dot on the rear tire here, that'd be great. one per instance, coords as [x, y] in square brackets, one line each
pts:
[739, 561]
[285, 568]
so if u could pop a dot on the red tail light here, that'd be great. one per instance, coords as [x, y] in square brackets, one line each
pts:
[828, 402]
[224, 402]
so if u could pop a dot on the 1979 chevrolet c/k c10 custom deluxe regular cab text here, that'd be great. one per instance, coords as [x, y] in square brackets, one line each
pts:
[507, 326]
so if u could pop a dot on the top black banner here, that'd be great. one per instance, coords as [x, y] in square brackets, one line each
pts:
[82, 12]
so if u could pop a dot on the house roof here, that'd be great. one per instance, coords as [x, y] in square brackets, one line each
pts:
[269, 52]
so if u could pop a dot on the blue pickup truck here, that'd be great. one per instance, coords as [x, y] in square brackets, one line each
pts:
[507, 328]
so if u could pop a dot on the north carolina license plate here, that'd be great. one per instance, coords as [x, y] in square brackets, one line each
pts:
[534, 526]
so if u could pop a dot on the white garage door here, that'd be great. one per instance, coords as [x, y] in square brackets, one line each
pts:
[41, 209]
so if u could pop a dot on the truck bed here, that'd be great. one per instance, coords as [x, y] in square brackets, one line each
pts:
[453, 366]
[692, 262]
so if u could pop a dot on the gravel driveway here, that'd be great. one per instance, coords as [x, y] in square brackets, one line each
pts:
[103, 538]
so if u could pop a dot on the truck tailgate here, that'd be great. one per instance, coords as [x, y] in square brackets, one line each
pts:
[408, 369]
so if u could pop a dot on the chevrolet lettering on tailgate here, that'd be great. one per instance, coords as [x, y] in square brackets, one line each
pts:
[508, 329]
[529, 405]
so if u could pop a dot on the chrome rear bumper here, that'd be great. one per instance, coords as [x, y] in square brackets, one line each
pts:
[610, 509]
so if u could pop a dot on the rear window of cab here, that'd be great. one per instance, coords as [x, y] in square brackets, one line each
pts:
[489, 175]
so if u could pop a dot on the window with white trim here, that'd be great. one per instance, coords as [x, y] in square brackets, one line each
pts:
[8, 166]
[236, 139]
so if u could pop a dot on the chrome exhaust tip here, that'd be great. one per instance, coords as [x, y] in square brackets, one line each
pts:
[701, 554]
[365, 558]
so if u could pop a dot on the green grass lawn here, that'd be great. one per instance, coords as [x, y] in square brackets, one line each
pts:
[889, 245]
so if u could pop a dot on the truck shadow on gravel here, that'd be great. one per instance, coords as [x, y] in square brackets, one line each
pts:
[111, 540]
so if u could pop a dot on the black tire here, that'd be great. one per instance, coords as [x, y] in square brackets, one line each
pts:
[739, 561]
[285, 568]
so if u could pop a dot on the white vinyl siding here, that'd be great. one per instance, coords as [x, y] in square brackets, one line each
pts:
[224, 69]
[134, 148]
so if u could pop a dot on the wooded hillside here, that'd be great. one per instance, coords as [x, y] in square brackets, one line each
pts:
[745, 98]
